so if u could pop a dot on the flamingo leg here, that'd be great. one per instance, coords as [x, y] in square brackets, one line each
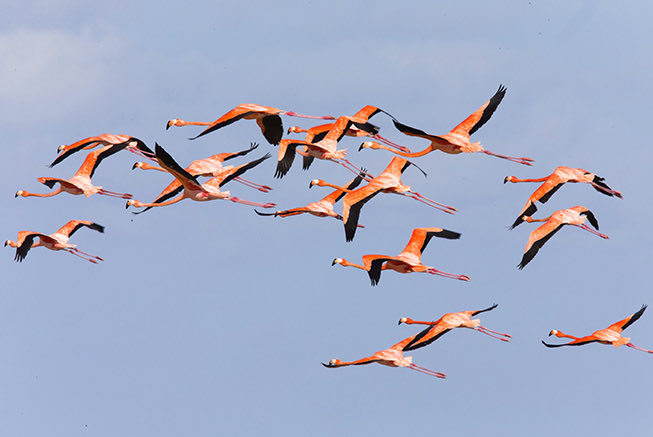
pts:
[448, 211]
[87, 254]
[294, 114]
[525, 161]
[247, 202]
[494, 332]
[447, 275]
[638, 348]
[427, 371]
[390, 143]
[352, 168]
[433, 201]
[492, 335]
[142, 153]
[72, 252]
[587, 228]
[263, 188]
[114, 194]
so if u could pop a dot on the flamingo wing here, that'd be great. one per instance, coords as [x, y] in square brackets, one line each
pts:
[427, 336]
[474, 122]
[623, 324]
[474, 313]
[271, 127]
[366, 360]
[234, 173]
[74, 225]
[375, 265]
[170, 165]
[67, 151]
[230, 117]
[537, 239]
[26, 240]
[578, 342]
[286, 156]
[229, 156]
[351, 207]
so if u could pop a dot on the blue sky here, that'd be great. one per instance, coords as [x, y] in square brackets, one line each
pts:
[207, 319]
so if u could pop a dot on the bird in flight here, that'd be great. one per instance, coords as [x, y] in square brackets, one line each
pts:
[458, 139]
[572, 216]
[81, 183]
[610, 335]
[553, 182]
[392, 357]
[321, 208]
[132, 144]
[409, 260]
[55, 241]
[267, 118]
[446, 323]
[191, 187]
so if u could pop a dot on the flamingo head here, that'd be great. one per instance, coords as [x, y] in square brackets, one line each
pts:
[509, 179]
[174, 122]
[131, 202]
[8, 243]
[370, 144]
[402, 320]
[19, 193]
[337, 261]
[295, 129]
[314, 182]
[553, 332]
[60, 148]
[137, 165]
[332, 363]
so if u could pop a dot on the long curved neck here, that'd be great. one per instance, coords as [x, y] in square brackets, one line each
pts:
[50, 194]
[350, 264]
[514, 180]
[563, 335]
[400, 153]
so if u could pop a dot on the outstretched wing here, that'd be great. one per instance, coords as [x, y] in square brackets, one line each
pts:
[230, 117]
[578, 342]
[166, 161]
[474, 122]
[537, 239]
[234, 173]
[420, 238]
[427, 336]
[623, 324]
[252, 146]
[74, 225]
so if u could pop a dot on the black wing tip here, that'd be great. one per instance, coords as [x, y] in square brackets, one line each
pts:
[449, 235]
[550, 345]
[97, 227]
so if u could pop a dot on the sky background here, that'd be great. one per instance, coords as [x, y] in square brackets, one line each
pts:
[206, 319]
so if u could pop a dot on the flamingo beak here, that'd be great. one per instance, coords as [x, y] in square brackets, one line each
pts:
[361, 147]
[168, 124]
[505, 180]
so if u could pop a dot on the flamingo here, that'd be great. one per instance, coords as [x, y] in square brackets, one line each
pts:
[389, 181]
[409, 260]
[211, 166]
[553, 182]
[610, 335]
[321, 208]
[456, 141]
[192, 189]
[266, 117]
[326, 148]
[572, 216]
[133, 145]
[391, 357]
[446, 323]
[360, 128]
[81, 183]
[56, 241]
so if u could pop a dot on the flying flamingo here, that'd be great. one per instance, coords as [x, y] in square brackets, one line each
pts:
[81, 183]
[446, 323]
[389, 181]
[409, 260]
[211, 166]
[56, 241]
[456, 141]
[192, 189]
[321, 208]
[360, 128]
[326, 148]
[133, 145]
[392, 357]
[610, 335]
[573, 216]
[553, 182]
[266, 117]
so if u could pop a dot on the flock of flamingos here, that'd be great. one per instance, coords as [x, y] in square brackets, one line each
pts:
[321, 142]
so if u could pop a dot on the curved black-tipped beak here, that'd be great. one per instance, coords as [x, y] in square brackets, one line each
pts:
[127, 205]
[310, 184]
[361, 147]
[333, 263]
[15, 195]
[326, 365]
[550, 333]
[168, 124]
[399, 322]
[5, 244]
[135, 165]
[505, 180]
